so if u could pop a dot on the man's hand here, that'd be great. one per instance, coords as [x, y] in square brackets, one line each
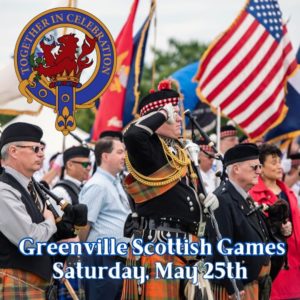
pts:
[286, 229]
[58, 162]
[48, 215]
[210, 202]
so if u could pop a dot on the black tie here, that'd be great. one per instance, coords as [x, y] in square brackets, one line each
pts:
[33, 195]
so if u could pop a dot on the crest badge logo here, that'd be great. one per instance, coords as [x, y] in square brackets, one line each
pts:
[65, 59]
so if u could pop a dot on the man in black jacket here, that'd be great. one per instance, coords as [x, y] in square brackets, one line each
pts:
[163, 186]
[22, 215]
[237, 224]
[77, 166]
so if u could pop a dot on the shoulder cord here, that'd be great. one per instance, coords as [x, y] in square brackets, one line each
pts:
[179, 165]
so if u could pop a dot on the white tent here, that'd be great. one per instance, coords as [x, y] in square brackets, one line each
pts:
[11, 100]
[54, 139]
[10, 96]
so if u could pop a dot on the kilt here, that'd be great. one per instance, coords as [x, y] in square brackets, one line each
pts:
[158, 289]
[20, 285]
[252, 289]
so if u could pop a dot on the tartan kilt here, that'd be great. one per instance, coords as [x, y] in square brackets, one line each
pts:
[158, 289]
[20, 285]
[251, 289]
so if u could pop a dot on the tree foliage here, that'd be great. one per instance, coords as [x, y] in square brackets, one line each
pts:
[178, 55]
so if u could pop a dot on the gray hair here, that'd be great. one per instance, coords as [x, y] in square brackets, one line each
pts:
[4, 150]
[229, 169]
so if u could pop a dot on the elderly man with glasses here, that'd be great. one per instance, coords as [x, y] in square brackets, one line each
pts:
[240, 222]
[22, 215]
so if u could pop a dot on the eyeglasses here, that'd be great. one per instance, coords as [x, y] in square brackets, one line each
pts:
[256, 167]
[35, 149]
[84, 164]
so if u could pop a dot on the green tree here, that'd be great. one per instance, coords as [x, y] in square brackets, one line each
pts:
[178, 55]
[5, 118]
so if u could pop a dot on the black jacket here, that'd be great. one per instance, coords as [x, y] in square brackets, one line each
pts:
[234, 223]
[10, 256]
[146, 155]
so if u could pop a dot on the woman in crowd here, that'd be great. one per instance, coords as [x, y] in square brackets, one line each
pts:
[270, 190]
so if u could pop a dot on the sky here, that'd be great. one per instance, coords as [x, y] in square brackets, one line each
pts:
[200, 20]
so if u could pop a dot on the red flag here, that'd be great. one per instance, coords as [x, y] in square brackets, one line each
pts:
[246, 69]
[110, 113]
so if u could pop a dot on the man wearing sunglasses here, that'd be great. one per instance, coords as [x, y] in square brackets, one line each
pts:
[75, 171]
[77, 166]
[22, 215]
[240, 222]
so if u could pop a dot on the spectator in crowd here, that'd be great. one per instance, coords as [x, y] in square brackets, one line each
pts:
[108, 208]
[269, 190]
[228, 138]
[206, 158]
[77, 166]
[292, 178]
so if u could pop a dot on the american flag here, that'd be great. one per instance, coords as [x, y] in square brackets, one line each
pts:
[245, 70]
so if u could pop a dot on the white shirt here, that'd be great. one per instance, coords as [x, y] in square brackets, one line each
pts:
[15, 222]
[108, 206]
[209, 180]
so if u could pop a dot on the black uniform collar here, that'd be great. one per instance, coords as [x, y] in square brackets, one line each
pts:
[245, 208]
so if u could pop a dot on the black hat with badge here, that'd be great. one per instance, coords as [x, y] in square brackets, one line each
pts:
[21, 132]
[78, 151]
[156, 99]
[240, 153]
[111, 133]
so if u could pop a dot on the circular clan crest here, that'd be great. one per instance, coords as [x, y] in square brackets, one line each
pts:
[65, 59]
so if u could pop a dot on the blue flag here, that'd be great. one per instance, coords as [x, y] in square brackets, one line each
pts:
[183, 78]
[136, 69]
[290, 126]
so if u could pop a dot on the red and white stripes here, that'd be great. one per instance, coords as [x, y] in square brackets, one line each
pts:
[245, 73]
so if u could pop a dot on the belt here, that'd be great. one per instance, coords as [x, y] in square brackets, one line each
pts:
[169, 224]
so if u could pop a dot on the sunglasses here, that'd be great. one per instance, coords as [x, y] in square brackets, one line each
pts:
[35, 149]
[83, 164]
[256, 167]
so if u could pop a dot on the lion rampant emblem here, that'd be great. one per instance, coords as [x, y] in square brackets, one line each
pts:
[66, 63]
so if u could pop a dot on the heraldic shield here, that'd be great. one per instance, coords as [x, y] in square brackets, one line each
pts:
[65, 59]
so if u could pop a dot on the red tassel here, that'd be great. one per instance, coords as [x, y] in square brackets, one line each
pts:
[164, 85]
[151, 91]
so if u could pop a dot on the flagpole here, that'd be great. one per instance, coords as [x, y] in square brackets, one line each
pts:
[218, 128]
[154, 47]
